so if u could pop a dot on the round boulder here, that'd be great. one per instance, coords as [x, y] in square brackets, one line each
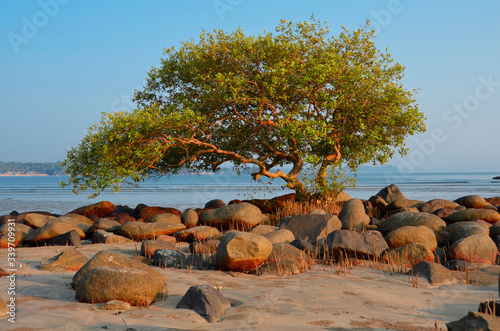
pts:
[138, 230]
[487, 215]
[408, 255]
[280, 236]
[412, 235]
[189, 218]
[242, 251]
[476, 248]
[197, 233]
[353, 215]
[399, 220]
[472, 201]
[239, 216]
[263, 229]
[165, 218]
[52, 228]
[148, 247]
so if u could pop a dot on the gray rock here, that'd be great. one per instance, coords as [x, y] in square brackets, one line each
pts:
[353, 215]
[116, 305]
[142, 231]
[487, 215]
[399, 220]
[71, 238]
[168, 258]
[190, 218]
[311, 227]
[241, 216]
[165, 218]
[215, 203]
[475, 321]
[148, 247]
[194, 261]
[354, 244]
[391, 193]
[206, 301]
[435, 273]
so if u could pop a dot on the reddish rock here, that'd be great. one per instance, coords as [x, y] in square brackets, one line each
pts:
[475, 248]
[412, 235]
[443, 212]
[408, 255]
[148, 247]
[141, 231]
[487, 215]
[165, 218]
[52, 228]
[436, 204]
[242, 251]
[100, 209]
[239, 216]
[148, 212]
[197, 233]
[19, 234]
[125, 218]
[472, 201]
[69, 260]
[167, 238]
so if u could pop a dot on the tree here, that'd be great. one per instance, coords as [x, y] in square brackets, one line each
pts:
[294, 97]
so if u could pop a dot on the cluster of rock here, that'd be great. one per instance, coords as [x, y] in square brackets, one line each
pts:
[386, 228]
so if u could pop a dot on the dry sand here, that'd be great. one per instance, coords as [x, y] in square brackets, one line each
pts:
[364, 299]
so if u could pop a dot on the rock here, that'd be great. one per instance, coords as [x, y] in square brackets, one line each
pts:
[489, 307]
[81, 219]
[36, 220]
[189, 218]
[170, 239]
[475, 321]
[391, 193]
[103, 237]
[141, 231]
[435, 273]
[52, 228]
[122, 219]
[353, 215]
[100, 209]
[209, 247]
[280, 236]
[116, 305]
[472, 201]
[242, 251]
[135, 286]
[305, 246]
[443, 213]
[214, 204]
[458, 265]
[311, 227]
[194, 261]
[165, 218]
[147, 213]
[486, 215]
[443, 237]
[168, 258]
[263, 229]
[361, 245]
[206, 301]
[114, 260]
[405, 203]
[412, 235]
[408, 255]
[399, 220]
[343, 197]
[468, 229]
[197, 233]
[378, 202]
[436, 204]
[148, 247]
[475, 248]
[69, 260]
[287, 253]
[20, 232]
[105, 224]
[71, 238]
[239, 216]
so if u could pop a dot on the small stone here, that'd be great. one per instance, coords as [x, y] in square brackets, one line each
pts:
[116, 305]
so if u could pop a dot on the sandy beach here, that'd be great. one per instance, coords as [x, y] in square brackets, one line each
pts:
[362, 299]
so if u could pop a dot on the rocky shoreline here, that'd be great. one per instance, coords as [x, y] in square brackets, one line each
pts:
[439, 242]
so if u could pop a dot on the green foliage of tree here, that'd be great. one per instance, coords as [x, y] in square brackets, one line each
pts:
[295, 97]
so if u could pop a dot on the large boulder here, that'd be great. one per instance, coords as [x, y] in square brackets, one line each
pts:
[353, 215]
[408, 255]
[35, 220]
[141, 231]
[206, 301]
[354, 244]
[240, 216]
[391, 193]
[114, 260]
[100, 209]
[13, 234]
[147, 213]
[487, 215]
[280, 236]
[242, 251]
[148, 247]
[475, 321]
[311, 227]
[189, 218]
[52, 228]
[475, 248]
[165, 218]
[69, 260]
[399, 220]
[411, 235]
[286, 259]
[435, 273]
[105, 224]
[71, 238]
[436, 204]
[263, 229]
[214, 204]
[135, 286]
[197, 233]
[466, 229]
[472, 201]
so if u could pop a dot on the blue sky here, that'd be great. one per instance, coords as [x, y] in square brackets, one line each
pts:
[65, 62]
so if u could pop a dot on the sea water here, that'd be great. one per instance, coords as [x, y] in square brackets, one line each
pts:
[192, 191]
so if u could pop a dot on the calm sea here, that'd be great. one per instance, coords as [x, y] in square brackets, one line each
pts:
[191, 191]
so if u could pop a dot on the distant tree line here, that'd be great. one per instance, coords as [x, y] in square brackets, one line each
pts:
[49, 168]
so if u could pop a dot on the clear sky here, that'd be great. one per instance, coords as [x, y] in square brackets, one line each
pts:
[64, 62]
